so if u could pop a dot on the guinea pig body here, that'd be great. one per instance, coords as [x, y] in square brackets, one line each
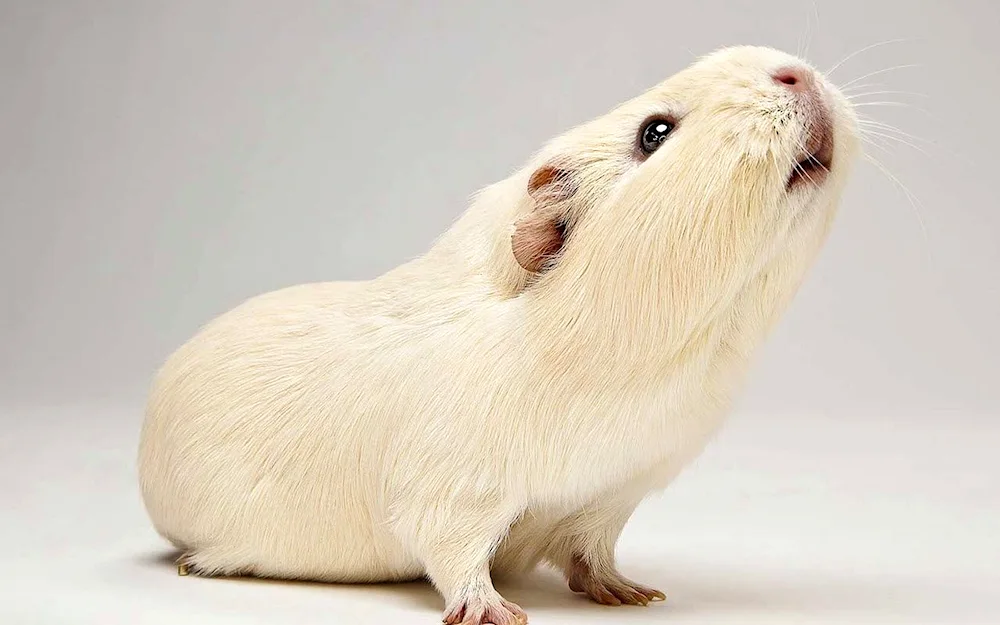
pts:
[509, 398]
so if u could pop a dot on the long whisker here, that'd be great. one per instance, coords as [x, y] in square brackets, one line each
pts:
[865, 49]
[808, 177]
[885, 103]
[779, 170]
[854, 96]
[865, 121]
[797, 167]
[907, 105]
[874, 139]
[800, 37]
[876, 73]
[811, 31]
[897, 140]
[814, 162]
[861, 86]
[914, 202]
[870, 141]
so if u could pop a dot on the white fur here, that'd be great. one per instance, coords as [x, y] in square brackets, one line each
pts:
[458, 414]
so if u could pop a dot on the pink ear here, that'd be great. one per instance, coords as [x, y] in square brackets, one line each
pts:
[551, 184]
[537, 239]
[539, 236]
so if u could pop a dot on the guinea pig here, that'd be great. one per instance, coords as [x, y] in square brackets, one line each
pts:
[508, 398]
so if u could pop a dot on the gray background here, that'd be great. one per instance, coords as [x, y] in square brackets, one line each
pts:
[162, 161]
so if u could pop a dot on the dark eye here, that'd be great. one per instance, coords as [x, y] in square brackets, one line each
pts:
[654, 134]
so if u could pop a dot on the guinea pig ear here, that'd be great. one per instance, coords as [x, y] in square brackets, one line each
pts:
[539, 236]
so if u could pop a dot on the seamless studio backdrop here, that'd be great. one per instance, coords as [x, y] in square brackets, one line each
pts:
[162, 161]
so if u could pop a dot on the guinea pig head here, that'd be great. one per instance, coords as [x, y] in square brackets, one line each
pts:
[674, 200]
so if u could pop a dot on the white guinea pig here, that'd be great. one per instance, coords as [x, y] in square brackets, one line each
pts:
[508, 398]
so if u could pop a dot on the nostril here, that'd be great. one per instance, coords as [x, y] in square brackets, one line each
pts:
[795, 78]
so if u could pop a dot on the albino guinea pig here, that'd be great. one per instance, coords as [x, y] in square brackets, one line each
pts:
[508, 398]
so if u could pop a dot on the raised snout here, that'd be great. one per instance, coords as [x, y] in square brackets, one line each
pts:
[815, 157]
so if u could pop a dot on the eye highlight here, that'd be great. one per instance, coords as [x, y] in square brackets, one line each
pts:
[654, 133]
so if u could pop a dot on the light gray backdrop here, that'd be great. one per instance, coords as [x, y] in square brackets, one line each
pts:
[162, 161]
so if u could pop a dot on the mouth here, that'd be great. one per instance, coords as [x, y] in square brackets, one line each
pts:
[811, 170]
[813, 165]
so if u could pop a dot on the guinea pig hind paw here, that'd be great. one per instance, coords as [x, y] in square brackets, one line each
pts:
[610, 587]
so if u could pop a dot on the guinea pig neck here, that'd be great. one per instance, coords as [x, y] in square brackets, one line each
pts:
[646, 301]
[624, 333]
[637, 309]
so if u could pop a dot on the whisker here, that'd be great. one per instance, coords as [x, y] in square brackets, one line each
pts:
[863, 85]
[908, 105]
[897, 140]
[875, 144]
[814, 162]
[854, 96]
[808, 177]
[885, 103]
[876, 73]
[865, 49]
[914, 202]
[800, 37]
[810, 31]
[865, 135]
[865, 121]
[797, 167]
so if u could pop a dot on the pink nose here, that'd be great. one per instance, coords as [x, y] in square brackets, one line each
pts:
[795, 78]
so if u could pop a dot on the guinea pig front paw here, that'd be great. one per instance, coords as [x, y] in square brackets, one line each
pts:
[493, 610]
[608, 586]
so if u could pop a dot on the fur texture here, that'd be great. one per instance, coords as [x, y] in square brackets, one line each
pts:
[462, 415]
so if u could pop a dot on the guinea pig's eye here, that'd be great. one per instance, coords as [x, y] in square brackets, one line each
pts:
[654, 134]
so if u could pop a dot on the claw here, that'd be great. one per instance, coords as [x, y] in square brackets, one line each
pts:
[609, 587]
[479, 611]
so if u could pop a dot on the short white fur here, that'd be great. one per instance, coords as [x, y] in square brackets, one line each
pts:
[460, 416]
